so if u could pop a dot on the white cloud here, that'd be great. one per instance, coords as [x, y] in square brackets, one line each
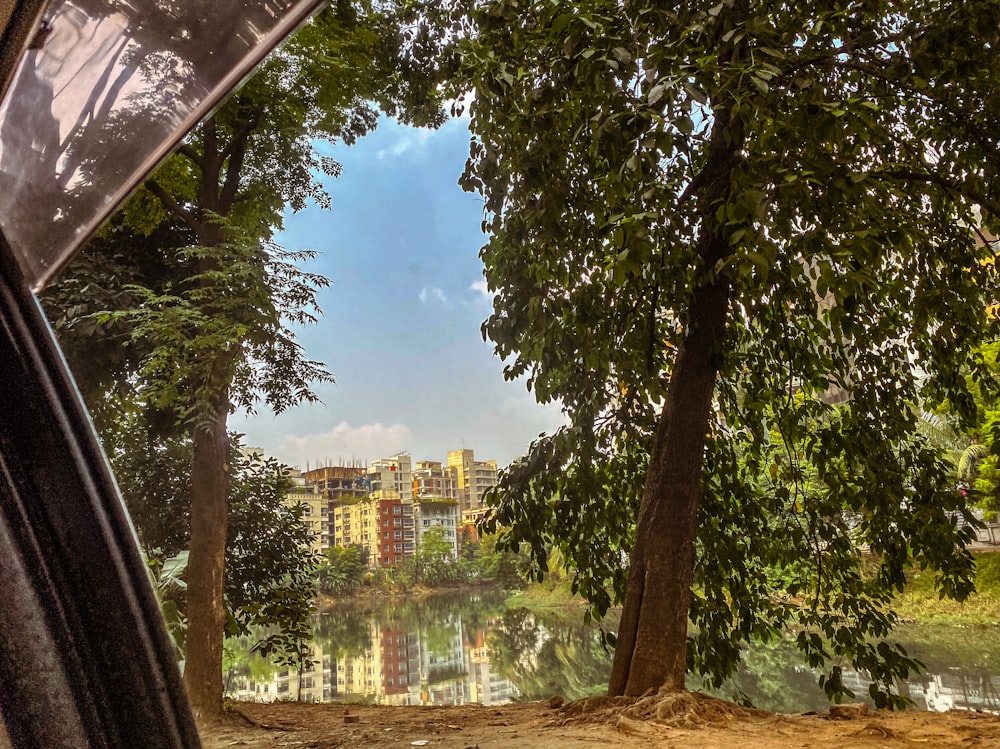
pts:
[432, 292]
[481, 288]
[412, 139]
[344, 444]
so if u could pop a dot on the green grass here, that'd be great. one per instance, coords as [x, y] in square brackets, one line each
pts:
[921, 602]
[551, 592]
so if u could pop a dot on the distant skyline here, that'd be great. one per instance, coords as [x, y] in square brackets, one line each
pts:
[401, 323]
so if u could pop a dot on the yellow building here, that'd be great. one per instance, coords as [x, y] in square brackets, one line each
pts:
[381, 524]
[473, 476]
[354, 522]
[316, 514]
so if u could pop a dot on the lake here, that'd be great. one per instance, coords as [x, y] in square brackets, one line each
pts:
[471, 647]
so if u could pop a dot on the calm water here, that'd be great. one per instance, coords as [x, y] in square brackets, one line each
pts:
[472, 647]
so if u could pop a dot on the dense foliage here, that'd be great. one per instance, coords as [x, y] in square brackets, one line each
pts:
[740, 243]
[193, 317]
[975, 446]
[345, 569]
[270, 568]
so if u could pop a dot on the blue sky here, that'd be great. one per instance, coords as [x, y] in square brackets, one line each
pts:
[401, 323]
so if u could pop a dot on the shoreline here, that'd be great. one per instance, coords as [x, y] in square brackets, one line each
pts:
[684, 721]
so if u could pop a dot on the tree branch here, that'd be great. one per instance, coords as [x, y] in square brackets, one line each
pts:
[960, 120]
[169, 204]
[242, 133]
[234, 168]
[811, 58]
[234, 154]
[908, 175]
[192, 155]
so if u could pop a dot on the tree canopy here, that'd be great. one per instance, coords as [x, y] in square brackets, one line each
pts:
[193, 314]
[740, 243]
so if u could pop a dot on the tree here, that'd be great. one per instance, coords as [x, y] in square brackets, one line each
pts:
[207, 317]
[344, 569]
[270, 567]
[270, 564]
[434, 559]
[975, 449]
[705, 221]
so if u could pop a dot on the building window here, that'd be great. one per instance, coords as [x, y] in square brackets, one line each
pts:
[398, 547]
[397, 522]
[397, 510]
[397, 534]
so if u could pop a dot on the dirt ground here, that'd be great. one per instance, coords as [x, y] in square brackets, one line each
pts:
[686, 721]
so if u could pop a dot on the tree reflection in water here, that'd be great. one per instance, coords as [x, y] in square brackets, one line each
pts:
[549, 653]
[472, 647]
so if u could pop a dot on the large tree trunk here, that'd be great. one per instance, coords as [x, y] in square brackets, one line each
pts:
[652, 638]
[206, 566]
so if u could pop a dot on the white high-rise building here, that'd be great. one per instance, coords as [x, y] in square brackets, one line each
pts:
[393, 476]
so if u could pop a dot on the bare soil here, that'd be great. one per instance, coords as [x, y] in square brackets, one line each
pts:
[685, 721]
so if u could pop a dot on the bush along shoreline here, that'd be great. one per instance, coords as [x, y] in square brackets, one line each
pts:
[345, 571]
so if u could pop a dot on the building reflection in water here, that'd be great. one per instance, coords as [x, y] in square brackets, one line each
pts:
[398, 667]
[475, 650]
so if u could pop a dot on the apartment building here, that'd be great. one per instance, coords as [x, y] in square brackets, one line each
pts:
[316, 515]
[395, 538]
[393, 475]
[435, 512]
[382, 525]
[316, 510]
[469, 529]
[430, 479]
[387, 506]
[474, 477]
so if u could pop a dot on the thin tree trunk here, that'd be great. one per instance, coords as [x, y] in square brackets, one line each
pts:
[206, 608]
[206, 566]
[209, 476]
[652, 639]
[209, 467]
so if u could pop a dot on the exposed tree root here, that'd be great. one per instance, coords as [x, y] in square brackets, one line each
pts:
[688, 709]
[879, 730]
[641, 715]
